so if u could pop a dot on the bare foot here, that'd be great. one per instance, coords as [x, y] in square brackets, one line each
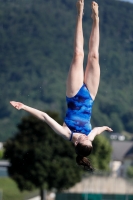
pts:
[17, 105]
[80, 7]
[94, 7]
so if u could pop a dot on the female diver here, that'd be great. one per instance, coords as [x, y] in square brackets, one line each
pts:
[81, 91]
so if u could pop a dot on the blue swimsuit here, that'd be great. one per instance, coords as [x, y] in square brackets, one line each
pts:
[79, 110]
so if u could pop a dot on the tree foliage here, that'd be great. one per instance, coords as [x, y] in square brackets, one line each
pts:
[101, 153]
[130, 172]
[36, 51]
[40, 158]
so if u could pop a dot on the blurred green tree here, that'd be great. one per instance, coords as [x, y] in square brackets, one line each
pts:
[130, 172]
[116, 122]
[39, 158]
[1, 154]
[101, 153]
[36, 49]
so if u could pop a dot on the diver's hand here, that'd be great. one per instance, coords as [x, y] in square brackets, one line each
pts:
[17, 105]
[97, 131]
[107, 128]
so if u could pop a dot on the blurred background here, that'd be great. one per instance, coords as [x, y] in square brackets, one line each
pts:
[36, 49]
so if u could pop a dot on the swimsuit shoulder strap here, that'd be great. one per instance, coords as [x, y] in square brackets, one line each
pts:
[71, 136]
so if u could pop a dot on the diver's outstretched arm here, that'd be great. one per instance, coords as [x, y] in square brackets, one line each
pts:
[97, 131]
[60, 130]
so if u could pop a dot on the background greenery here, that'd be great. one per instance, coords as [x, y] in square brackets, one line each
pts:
[10, 190]
[36, 49]
[41, 159]
[130, 172]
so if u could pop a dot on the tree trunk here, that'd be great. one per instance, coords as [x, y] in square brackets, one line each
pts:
[43, 194]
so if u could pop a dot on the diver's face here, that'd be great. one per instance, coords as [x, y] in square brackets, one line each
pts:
[83, 139]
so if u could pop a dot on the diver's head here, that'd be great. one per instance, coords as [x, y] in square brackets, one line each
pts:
[83, 147]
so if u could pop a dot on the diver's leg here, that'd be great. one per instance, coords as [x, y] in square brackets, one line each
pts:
[92, 72]
[75, 74]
